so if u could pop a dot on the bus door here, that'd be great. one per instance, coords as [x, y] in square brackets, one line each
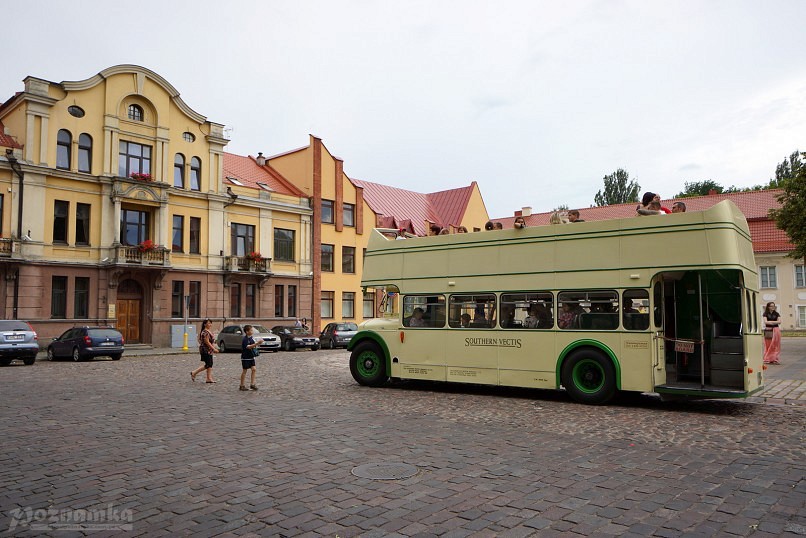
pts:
[422, 338]
[472, 340]
[702, 331]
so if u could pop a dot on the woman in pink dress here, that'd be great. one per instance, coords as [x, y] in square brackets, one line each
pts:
[772, 346]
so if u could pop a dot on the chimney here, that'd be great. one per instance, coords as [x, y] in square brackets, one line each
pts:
[518, 213]
[526, 211]
[260, 159]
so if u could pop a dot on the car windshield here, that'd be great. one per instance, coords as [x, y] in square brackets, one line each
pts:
[347, 327]
[298, 330]
[260, 329]
[104, 333]
[14, 326]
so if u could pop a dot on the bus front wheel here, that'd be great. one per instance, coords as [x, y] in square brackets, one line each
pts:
[589, 377]
[367, 364]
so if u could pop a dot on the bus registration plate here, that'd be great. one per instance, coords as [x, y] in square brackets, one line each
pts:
[682, 346]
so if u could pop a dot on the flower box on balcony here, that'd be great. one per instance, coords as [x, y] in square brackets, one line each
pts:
[141, 177]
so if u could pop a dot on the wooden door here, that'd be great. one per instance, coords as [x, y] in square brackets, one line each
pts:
[128, 311]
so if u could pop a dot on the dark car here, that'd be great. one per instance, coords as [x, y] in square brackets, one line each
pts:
[231, 337]
[84, 343]
[337, 335]
[295, 337]
[18, 340]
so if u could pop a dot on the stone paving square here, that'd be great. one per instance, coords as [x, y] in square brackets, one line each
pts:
[193, 459]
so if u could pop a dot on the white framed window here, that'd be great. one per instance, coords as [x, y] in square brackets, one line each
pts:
[768, 277]
[801, 311]
[800, 276]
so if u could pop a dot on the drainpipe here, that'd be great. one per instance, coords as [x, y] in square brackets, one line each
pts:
[15, 165]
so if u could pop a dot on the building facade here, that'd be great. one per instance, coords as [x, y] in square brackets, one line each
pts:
[115, 210]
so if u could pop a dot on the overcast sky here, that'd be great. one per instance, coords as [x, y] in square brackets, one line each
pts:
[534, 100]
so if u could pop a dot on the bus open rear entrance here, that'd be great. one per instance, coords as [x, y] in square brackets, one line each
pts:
[701, 318]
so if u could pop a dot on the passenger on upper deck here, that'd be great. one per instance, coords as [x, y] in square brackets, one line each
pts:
[558, 217]
[679, 207]
[461, 230]
[519, 223]
[488, 226]
[499, 226]
[573, 216]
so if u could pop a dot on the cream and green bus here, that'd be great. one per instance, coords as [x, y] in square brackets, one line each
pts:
[665, 304]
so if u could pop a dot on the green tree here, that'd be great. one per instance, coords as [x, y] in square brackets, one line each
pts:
[618, 189]
[787, 169]
[701, 188]
[563, 207]
[791, 216]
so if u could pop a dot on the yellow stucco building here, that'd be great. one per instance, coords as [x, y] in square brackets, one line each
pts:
[117, 209]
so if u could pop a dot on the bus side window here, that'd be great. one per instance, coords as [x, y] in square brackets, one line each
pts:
[533, 310]
[476, 311]
[424, 311]
[635, 310]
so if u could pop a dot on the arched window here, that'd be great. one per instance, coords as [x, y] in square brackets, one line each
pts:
[179, 171]
[63, 141]
[195, 174]
[136, 112]
[84, 153]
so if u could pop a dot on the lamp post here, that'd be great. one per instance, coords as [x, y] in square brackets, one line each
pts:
[185, 336]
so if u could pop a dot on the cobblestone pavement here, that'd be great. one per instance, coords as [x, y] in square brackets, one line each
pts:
[206, 460]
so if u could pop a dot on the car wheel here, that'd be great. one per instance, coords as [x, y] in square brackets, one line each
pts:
[51, 355]
[331, 344]
[287, 346]
[222, 347]
[76, 355]
[589, 377]
[368, 364]
[5, 362]
[28, 361]
[315, 348]
[115, 357]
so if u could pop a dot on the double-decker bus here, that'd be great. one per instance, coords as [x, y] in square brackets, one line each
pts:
[665, 304]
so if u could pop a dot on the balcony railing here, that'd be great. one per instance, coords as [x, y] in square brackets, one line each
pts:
[242, 263]
[6, 247]
[158, 257]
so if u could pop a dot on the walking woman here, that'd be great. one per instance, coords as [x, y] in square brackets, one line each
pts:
[206, 349]
[772, 335]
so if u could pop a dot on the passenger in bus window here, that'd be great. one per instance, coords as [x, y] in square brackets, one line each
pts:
[464, 320]
[508, 317]
[544, 316]
[532, 321]
[566, 318]
[416, 319]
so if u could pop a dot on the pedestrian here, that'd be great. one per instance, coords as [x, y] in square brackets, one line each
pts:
[206, 349]
[249, 350]
[772, 335]
[298, 323]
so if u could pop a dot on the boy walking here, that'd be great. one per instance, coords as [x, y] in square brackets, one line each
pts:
[249, 350]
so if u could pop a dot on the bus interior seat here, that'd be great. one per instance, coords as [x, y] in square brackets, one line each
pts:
[605, 321]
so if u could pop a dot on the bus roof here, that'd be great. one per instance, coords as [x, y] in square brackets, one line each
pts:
[617, 253]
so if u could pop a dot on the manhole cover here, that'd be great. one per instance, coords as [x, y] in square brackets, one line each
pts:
[385, 471]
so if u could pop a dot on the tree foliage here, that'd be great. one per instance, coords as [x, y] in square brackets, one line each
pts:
[700, 188]
[791, 216]
[788, 169]
[618, 189]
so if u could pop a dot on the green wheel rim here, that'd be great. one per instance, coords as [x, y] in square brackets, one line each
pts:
[588, 376]
[368, 364]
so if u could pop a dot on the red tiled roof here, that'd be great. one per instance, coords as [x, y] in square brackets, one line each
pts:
[247, 171]
[443, 208]
[754, 204]
[7, 141]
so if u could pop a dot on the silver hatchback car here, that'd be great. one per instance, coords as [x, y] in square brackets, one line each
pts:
[231, 336]
[18, 340]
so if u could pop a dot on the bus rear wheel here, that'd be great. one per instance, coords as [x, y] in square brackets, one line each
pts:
[589, 377]
[367, 364]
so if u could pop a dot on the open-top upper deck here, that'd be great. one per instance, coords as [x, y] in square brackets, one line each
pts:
[617, 253]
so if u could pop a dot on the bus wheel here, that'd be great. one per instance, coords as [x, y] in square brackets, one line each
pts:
[367, 364]
[589, 377]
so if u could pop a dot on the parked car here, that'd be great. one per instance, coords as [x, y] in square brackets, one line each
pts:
[84, 343]
[18, 340]
[295, 337]
[337, 335]
[231, 337]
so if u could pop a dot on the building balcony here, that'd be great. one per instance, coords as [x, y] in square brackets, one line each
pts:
[7, 247]
[235, 264]
[134, 255]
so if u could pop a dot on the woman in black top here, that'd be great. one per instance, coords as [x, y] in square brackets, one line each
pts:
[772, 335]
